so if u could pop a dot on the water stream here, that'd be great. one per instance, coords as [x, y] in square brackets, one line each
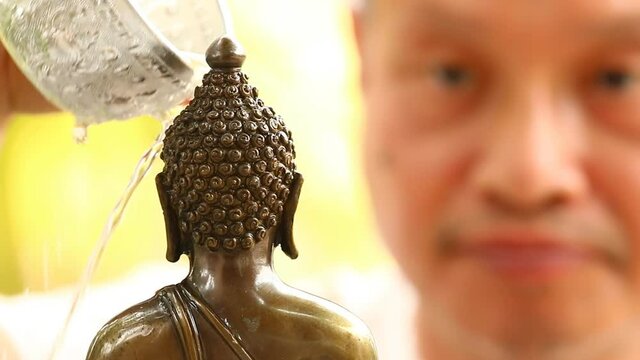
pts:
[141, 169]
[197, 63]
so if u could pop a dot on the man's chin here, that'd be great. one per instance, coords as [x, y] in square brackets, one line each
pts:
[580, 307]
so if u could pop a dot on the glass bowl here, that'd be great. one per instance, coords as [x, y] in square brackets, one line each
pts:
[110, 59]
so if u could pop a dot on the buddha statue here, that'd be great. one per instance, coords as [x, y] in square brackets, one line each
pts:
[229, 192]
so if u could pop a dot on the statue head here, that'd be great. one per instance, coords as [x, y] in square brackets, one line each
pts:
[229, 172]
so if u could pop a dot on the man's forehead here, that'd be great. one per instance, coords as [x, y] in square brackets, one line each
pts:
[478, 15]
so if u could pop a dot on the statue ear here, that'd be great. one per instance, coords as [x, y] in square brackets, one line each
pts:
[285, 231]
[174, 240]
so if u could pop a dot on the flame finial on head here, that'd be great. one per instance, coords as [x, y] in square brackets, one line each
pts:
[225, 52]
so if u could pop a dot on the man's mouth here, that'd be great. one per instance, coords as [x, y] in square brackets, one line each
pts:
[525, 255]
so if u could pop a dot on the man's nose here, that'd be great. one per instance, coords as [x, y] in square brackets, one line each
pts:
[530, 158]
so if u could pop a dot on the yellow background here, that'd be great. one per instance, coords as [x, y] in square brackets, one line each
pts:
[56, 195]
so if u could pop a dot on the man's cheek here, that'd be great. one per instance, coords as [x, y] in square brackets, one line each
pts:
[433, 168]
[425, 177]
[615, 164]
[404, 195]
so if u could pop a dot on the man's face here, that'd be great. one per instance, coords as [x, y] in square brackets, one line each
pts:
[503, 151]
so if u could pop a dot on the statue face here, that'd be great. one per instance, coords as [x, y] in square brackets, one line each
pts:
[503, 152]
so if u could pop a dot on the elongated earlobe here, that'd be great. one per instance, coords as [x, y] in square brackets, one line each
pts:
[285, 231]
[174, 239]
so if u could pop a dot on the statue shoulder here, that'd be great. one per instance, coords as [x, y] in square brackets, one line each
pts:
[345, 335]
[358, 340]
[144, 331]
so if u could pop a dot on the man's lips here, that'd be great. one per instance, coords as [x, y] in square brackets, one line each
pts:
[525, 255]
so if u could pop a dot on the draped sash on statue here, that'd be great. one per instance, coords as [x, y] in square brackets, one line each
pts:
[178, 298]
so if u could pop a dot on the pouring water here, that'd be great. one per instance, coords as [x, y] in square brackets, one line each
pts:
[142, 62]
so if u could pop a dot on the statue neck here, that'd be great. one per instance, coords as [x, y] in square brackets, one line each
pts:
[221, 275]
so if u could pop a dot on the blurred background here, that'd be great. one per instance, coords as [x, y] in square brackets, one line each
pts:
[55, 195]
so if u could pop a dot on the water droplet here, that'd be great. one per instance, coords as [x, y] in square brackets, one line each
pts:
[110, 54]
[18, 13]
[87, 66]
[80, 133]
[119, 100]
[122, 68]
[148, 93]
[69, 90]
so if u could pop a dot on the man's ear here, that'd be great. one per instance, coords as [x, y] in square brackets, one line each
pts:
[357, 14]
[358, 20]
[174, 239]
[284, 235]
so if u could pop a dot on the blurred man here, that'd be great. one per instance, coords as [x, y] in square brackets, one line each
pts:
[503, 152]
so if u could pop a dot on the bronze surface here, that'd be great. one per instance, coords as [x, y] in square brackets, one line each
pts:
[229, 191]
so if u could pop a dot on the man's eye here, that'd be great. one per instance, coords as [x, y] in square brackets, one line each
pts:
[615, 79]
[452, 75]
